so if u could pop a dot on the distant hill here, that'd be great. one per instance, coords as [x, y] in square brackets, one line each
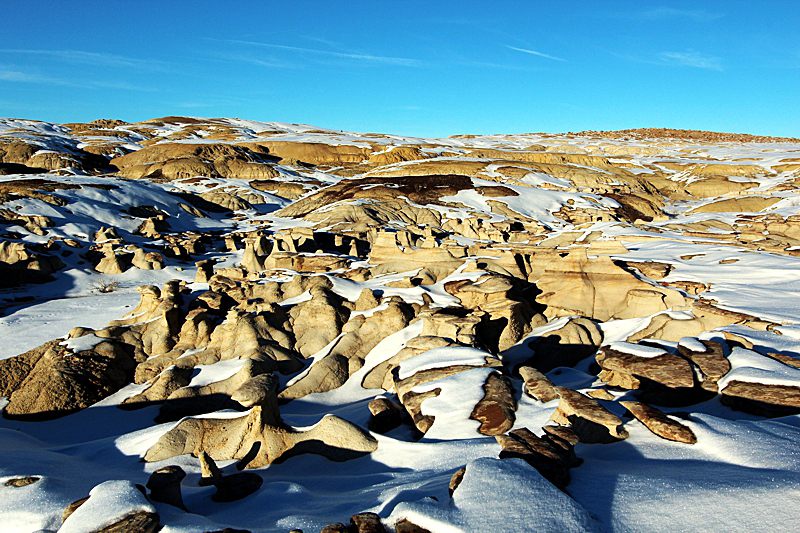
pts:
[699, 135]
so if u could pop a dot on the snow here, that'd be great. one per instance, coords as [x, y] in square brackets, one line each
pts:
[534, 203]
[80, 344]
[752, 367]
[638, 350]
[733, 479]
[441, 358]
[207, 374]
[453, 406]
[500, 496]
[692, 344]
[742, 286]
[108, 503]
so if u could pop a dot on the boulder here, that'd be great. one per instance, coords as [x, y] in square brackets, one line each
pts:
[537, 385]
[708, 357]
[760, 384]
[552, 461]
[205, 270]
[367, 523]
[165, 486]
[591, 422]
[386, 415]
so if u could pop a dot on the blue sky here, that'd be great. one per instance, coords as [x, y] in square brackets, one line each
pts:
[430, 68]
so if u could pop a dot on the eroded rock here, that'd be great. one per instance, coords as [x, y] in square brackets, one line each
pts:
[590, 421]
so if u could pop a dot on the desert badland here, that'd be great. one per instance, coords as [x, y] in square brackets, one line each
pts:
[265, 327]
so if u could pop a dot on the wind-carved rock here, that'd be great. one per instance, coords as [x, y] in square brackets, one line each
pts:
[259, 437]
[111, 263]
[708, 357]
[552, 455]
[256, 250]
[193, 400]
[496, 410]
[205, 270]
[162, 386]
[509, 317]
[625, 365]
[380, 377]
[417, 379]
[195, 333]
[165, 486]
[316, 322]
[146, 260]
[153, 326]
[359, 336]
[253, 336]
[537, 385]
[455, 324]
[153, 227]
[386, 415]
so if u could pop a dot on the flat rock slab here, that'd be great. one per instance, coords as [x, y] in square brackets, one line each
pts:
[592, 422]
[659, 423]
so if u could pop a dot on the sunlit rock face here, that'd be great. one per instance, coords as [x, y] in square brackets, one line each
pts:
[410, 334]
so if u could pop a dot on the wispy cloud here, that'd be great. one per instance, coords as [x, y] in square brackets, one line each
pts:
[398, 61]
[691, 59]
[15, 75]
[664, 12]
[488, 64]
[534, 52]
[92, 58]
[258, 61]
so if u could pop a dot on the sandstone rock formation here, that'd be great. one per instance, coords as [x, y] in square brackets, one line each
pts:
[259, 437]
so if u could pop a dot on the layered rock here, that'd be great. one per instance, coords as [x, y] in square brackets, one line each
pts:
[597, 288]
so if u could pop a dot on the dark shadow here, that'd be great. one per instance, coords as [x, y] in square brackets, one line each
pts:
[19, 168]
[318, 447]
[653, 392]
[175, 409]
[251, 454]
[198, 202]
[19, 278]
[755, 407]
[550, 353]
